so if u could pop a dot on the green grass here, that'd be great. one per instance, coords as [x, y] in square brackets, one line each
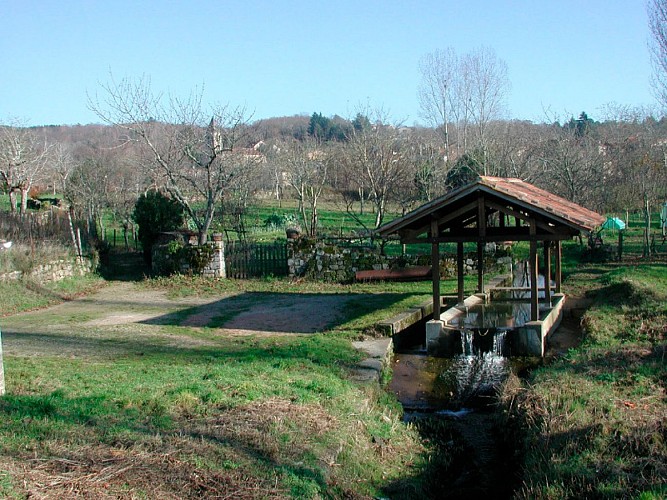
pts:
[211, 412]
[163, 410]
[333, 219]
[594, 420]
[25, 295]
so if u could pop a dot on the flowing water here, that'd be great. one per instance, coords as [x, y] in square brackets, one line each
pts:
[452, 399]
[452, 402]
[460, 383]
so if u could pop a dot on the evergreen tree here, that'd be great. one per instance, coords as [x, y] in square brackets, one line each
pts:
[155, 213]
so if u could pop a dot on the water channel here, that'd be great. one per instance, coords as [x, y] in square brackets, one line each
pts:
[452, 398]
[452, 401]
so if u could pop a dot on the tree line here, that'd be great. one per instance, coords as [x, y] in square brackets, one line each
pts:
[215, 161]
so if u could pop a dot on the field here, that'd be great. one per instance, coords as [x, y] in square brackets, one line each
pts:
[593, 421]
[170, 389]
[187, 388]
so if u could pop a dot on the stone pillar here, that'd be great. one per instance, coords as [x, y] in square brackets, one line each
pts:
[218, 262]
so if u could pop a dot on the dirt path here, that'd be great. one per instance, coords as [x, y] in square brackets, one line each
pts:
[125, 311]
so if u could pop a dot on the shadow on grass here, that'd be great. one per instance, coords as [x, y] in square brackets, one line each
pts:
[120, 419]
[280, 312]
[74, 423]
[317, 349]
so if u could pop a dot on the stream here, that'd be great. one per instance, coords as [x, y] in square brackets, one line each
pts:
[452, 402]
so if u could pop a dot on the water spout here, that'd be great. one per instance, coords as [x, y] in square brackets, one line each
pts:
[466, 342]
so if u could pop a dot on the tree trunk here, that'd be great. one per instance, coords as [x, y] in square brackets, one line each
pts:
[647, 227]
[24, 200]
[12, 200]
[379, 216]
[313, 216]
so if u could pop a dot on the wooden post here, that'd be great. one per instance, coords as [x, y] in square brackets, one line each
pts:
[481, 230]
[480, 267]
[532, 268]
[559, 258]
[547, 273]
[534, 308]
[2, 370]
[435, 269]
[459, 270]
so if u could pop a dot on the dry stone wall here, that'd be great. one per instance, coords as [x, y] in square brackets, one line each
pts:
[163, 261]
[53, 271]
[331, 261]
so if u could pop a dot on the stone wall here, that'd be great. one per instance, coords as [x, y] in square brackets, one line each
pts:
[52, 271]
[333, 261]
[163, 261]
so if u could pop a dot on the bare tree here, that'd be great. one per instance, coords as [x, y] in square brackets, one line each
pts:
[486, 83]
[306, 167]
[438, 89]
[375, 162]
[88, 188]
[195, 151]
[657, 20]
[466, 92]
[570, 164]
[427, 161]
[61, 165]
[22, 161]
[511, 148]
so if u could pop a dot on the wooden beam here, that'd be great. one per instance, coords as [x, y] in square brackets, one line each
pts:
[547, 273]
[493, 234]
[518, 288]
[519, 215]
[559, 257]
[481, 230]
[533, 266]
[481, 218]
[435, 269]
[480, 267]
[470, 207]
[459, 270]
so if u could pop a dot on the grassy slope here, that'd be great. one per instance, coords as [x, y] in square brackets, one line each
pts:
[104, 411]
[595, 419]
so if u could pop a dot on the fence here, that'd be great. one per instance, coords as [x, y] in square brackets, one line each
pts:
[120, 238]
[31, 228]
[250, 260]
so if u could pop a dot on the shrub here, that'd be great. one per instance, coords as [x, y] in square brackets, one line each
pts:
[155, 212]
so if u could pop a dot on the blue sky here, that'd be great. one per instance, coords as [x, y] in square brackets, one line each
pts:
[295, 57]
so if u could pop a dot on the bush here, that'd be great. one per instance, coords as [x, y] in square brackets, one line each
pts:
[155, 212]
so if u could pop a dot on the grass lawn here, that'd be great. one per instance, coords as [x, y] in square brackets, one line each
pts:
[594, 421]
[99, 406]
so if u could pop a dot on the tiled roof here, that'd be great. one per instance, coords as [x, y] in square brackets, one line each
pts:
[544, 200]
[505, 191]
